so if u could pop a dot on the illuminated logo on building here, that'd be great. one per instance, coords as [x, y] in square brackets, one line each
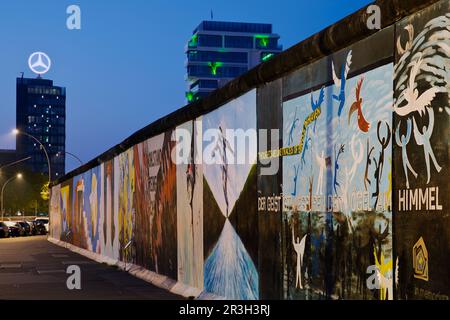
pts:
[39, 62]
[420, 260]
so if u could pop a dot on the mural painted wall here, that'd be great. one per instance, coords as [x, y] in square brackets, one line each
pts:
[230, 215]
[190, 206]
[155, 235]
[328, 183]
[337, 189]
[421, 150]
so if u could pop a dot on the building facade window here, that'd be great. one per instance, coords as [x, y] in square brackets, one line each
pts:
[238, 42]
[227, 57]
[209, 40]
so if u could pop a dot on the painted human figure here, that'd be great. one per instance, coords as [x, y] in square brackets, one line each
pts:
[321, 161]
[403, 142]
[299, 247]
[336, 167]
[346, 198]
[368, 164]
[296, 169]
[378, 174]
[191, 178]
[222, 146]
[357, 157]
[423, 139]
[293, 127]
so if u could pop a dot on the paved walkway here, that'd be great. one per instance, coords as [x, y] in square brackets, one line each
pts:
[33, 268]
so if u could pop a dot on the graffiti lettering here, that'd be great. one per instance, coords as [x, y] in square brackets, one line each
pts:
[419, 199]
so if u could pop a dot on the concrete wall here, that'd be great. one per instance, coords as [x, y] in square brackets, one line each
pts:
[346, 202]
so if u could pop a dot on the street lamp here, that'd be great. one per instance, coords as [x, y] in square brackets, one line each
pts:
[14, 163]
[17, 132]
[18, 176]
[70, 154]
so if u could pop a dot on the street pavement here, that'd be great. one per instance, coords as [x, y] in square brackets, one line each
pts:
[31, 268]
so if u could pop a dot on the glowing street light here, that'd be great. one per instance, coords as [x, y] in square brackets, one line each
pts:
[17, 176]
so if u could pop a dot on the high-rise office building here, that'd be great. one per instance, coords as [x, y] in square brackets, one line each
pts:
[221, 51]
[41, 112]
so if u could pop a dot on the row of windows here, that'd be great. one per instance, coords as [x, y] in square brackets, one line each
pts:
[237, 27]
[209, 41]
[244, 42]
[204, 84]
[41, 158]
[39, 120]
[53, 110]
[47, 140]
[45, 90]
[34, 130]
[238, 42]
[207, 71]
[208, 84]
[231, 57]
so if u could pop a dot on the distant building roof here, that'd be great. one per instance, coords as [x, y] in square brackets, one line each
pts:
[35, 81]
[224, 26]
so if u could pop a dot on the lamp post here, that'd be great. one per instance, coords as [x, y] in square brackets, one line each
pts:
[18, 176]
[17, 132]
[14, 163]
[70, 154]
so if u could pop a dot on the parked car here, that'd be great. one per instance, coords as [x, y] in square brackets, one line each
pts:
[43, 221]
[26, 228]
[32, 228]
[4, 230]
[15, 229]
[39, 228]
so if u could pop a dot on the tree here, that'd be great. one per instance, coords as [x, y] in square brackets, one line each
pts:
[28, 195]
[45, 192]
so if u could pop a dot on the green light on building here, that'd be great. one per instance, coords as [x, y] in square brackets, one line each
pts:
[214, 66]
[194, 41]
[267, 56]
[263, 40]
[190, 96]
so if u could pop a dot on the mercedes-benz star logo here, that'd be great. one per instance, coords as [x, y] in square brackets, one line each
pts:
[39, 62]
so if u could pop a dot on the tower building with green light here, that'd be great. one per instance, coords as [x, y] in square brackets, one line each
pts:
[220, 51]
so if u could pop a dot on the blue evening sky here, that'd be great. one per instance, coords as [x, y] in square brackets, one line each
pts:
[125, 67]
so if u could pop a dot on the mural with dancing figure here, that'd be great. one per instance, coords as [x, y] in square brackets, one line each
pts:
[230, 268]
[421, 149]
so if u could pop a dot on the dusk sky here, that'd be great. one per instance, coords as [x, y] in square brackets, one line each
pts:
[125, 68]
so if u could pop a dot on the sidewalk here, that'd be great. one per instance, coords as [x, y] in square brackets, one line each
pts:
[32, 268]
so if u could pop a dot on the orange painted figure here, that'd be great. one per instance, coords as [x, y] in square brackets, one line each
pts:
[363, 125]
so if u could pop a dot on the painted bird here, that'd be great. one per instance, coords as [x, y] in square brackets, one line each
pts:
[363, 125]
[340, 83]
[411, 94]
